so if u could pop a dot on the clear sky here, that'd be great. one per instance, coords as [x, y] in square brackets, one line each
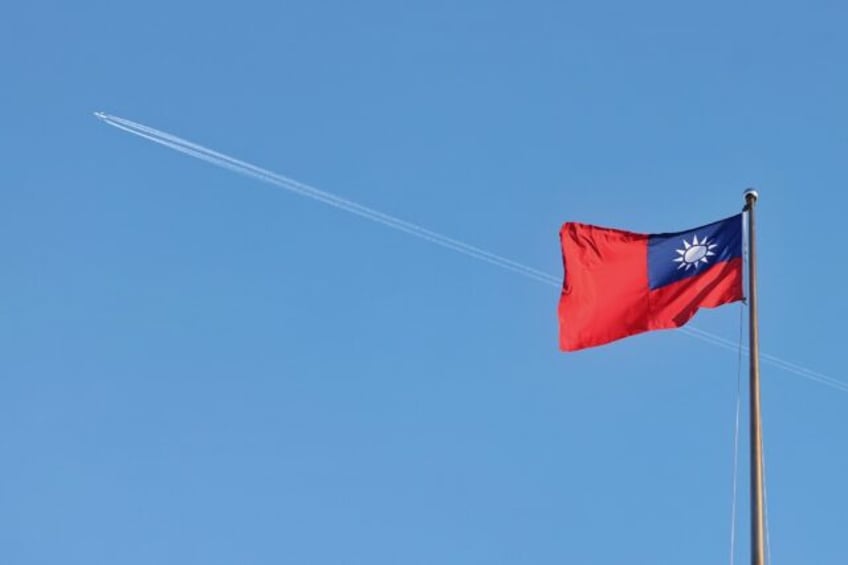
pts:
[198, 368]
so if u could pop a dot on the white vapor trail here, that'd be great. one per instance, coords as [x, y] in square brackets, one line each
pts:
[242, 167]
[236, 165]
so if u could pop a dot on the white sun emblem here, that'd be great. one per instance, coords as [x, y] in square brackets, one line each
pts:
[695, 253]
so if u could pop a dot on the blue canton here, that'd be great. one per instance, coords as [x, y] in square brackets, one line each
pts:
[676, 256]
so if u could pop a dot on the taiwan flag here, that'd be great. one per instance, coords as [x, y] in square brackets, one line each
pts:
[619, 283]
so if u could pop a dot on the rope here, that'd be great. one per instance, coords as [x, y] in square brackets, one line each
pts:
[736, 441]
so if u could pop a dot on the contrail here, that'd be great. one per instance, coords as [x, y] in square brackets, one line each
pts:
[236, 165]
[242, 167]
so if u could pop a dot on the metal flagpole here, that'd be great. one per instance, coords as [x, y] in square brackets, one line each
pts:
[757, 506]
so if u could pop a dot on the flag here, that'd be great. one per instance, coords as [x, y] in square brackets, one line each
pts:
[619, 283]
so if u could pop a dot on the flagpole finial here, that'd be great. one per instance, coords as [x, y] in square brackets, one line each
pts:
[750, 193]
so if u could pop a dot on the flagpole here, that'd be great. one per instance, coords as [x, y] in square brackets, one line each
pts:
[757, 498]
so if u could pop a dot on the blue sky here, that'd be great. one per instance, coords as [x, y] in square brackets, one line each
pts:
[199, 368]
